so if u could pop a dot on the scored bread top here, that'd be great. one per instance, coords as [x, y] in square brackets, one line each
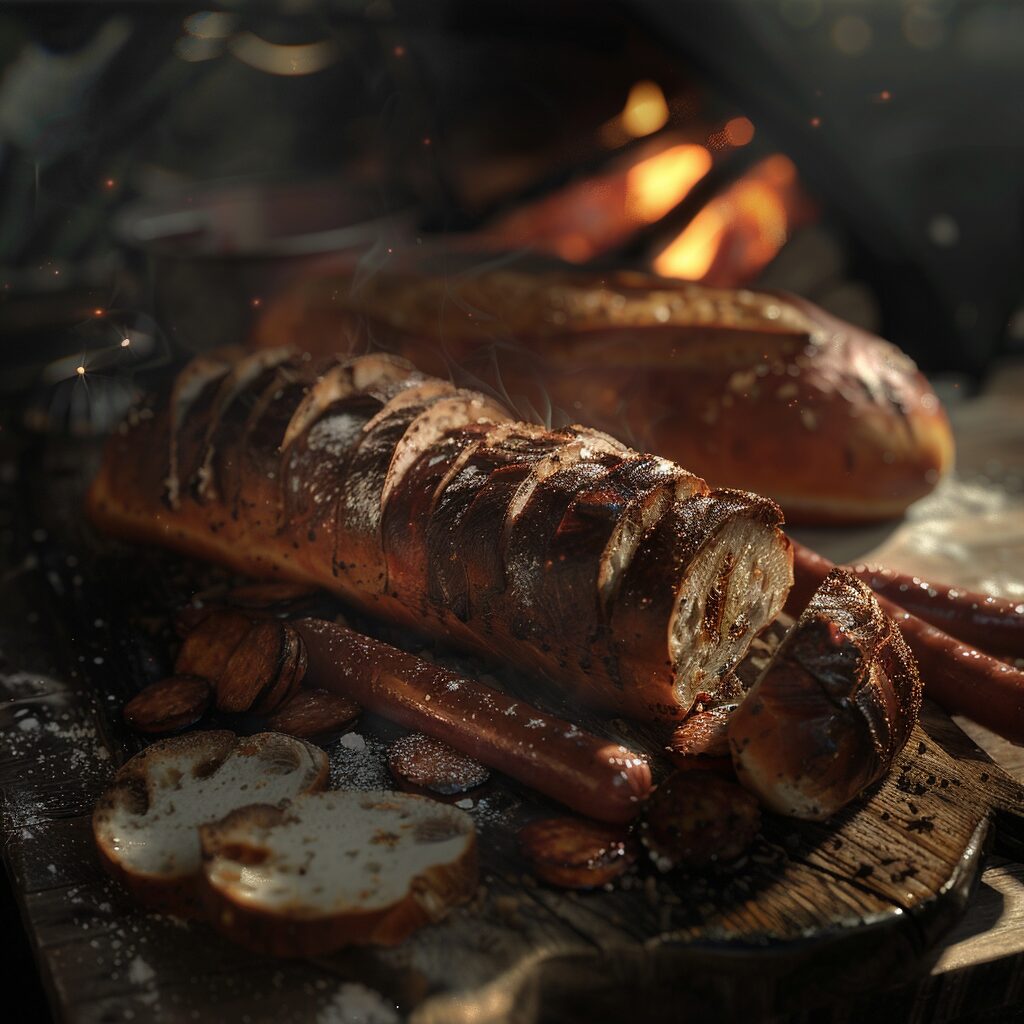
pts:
[145, 825]
[374, 864]
[394, 495]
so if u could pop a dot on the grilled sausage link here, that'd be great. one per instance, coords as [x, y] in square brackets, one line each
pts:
[593, 776]
[620, 576]
[994, 624]
[959, 677]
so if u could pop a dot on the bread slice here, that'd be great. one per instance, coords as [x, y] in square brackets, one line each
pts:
[231, 406]
[465, 566]
[200, 377]
[359, 553]
[405, 545]
[716, 570]
[145, 824]
[336, 869]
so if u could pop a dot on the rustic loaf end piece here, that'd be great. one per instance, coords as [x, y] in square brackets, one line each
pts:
[833, 707]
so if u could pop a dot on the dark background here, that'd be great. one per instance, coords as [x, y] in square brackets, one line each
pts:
[905, 119]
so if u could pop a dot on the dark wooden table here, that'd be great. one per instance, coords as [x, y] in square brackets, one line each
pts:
[66, 668]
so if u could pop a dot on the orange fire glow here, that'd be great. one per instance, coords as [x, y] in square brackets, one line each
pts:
[655, 185]
[739, 131]
[589, 217]
[645, 111]
[739, 232]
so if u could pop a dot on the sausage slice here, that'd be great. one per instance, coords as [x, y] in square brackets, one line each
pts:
[576, 854]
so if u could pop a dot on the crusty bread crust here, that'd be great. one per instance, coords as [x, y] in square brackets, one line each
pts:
[756, 390]
[832, 709]
[315, 513]
[296, 926]
[167, 879]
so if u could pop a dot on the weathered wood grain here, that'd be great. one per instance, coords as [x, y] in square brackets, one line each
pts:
[851, 907]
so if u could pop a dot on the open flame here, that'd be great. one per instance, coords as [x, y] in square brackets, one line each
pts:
[645, 111]
[740, 231]
[729, 242]
[655, 185]
[589, 217]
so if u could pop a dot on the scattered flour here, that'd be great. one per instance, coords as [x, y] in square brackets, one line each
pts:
[139, 972]
[356, 1004]
[360, 763]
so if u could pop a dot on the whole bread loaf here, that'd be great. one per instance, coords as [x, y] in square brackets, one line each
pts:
[755, 390]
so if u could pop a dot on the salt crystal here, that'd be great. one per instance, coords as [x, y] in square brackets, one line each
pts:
[353, 741]
[139, 972]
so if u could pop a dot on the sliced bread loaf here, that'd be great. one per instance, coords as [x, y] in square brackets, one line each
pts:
[146, 824]
[335, 869]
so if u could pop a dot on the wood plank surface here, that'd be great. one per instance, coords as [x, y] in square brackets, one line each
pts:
[803, 904]
[861, 917]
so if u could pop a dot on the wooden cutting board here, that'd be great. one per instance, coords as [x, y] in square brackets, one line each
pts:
[815, 911]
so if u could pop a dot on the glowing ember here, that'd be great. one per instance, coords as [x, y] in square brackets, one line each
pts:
[739, 131]
[646, 110]
[99, 312]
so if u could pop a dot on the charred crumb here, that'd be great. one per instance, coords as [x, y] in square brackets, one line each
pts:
[902, 876]
[912, 787]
